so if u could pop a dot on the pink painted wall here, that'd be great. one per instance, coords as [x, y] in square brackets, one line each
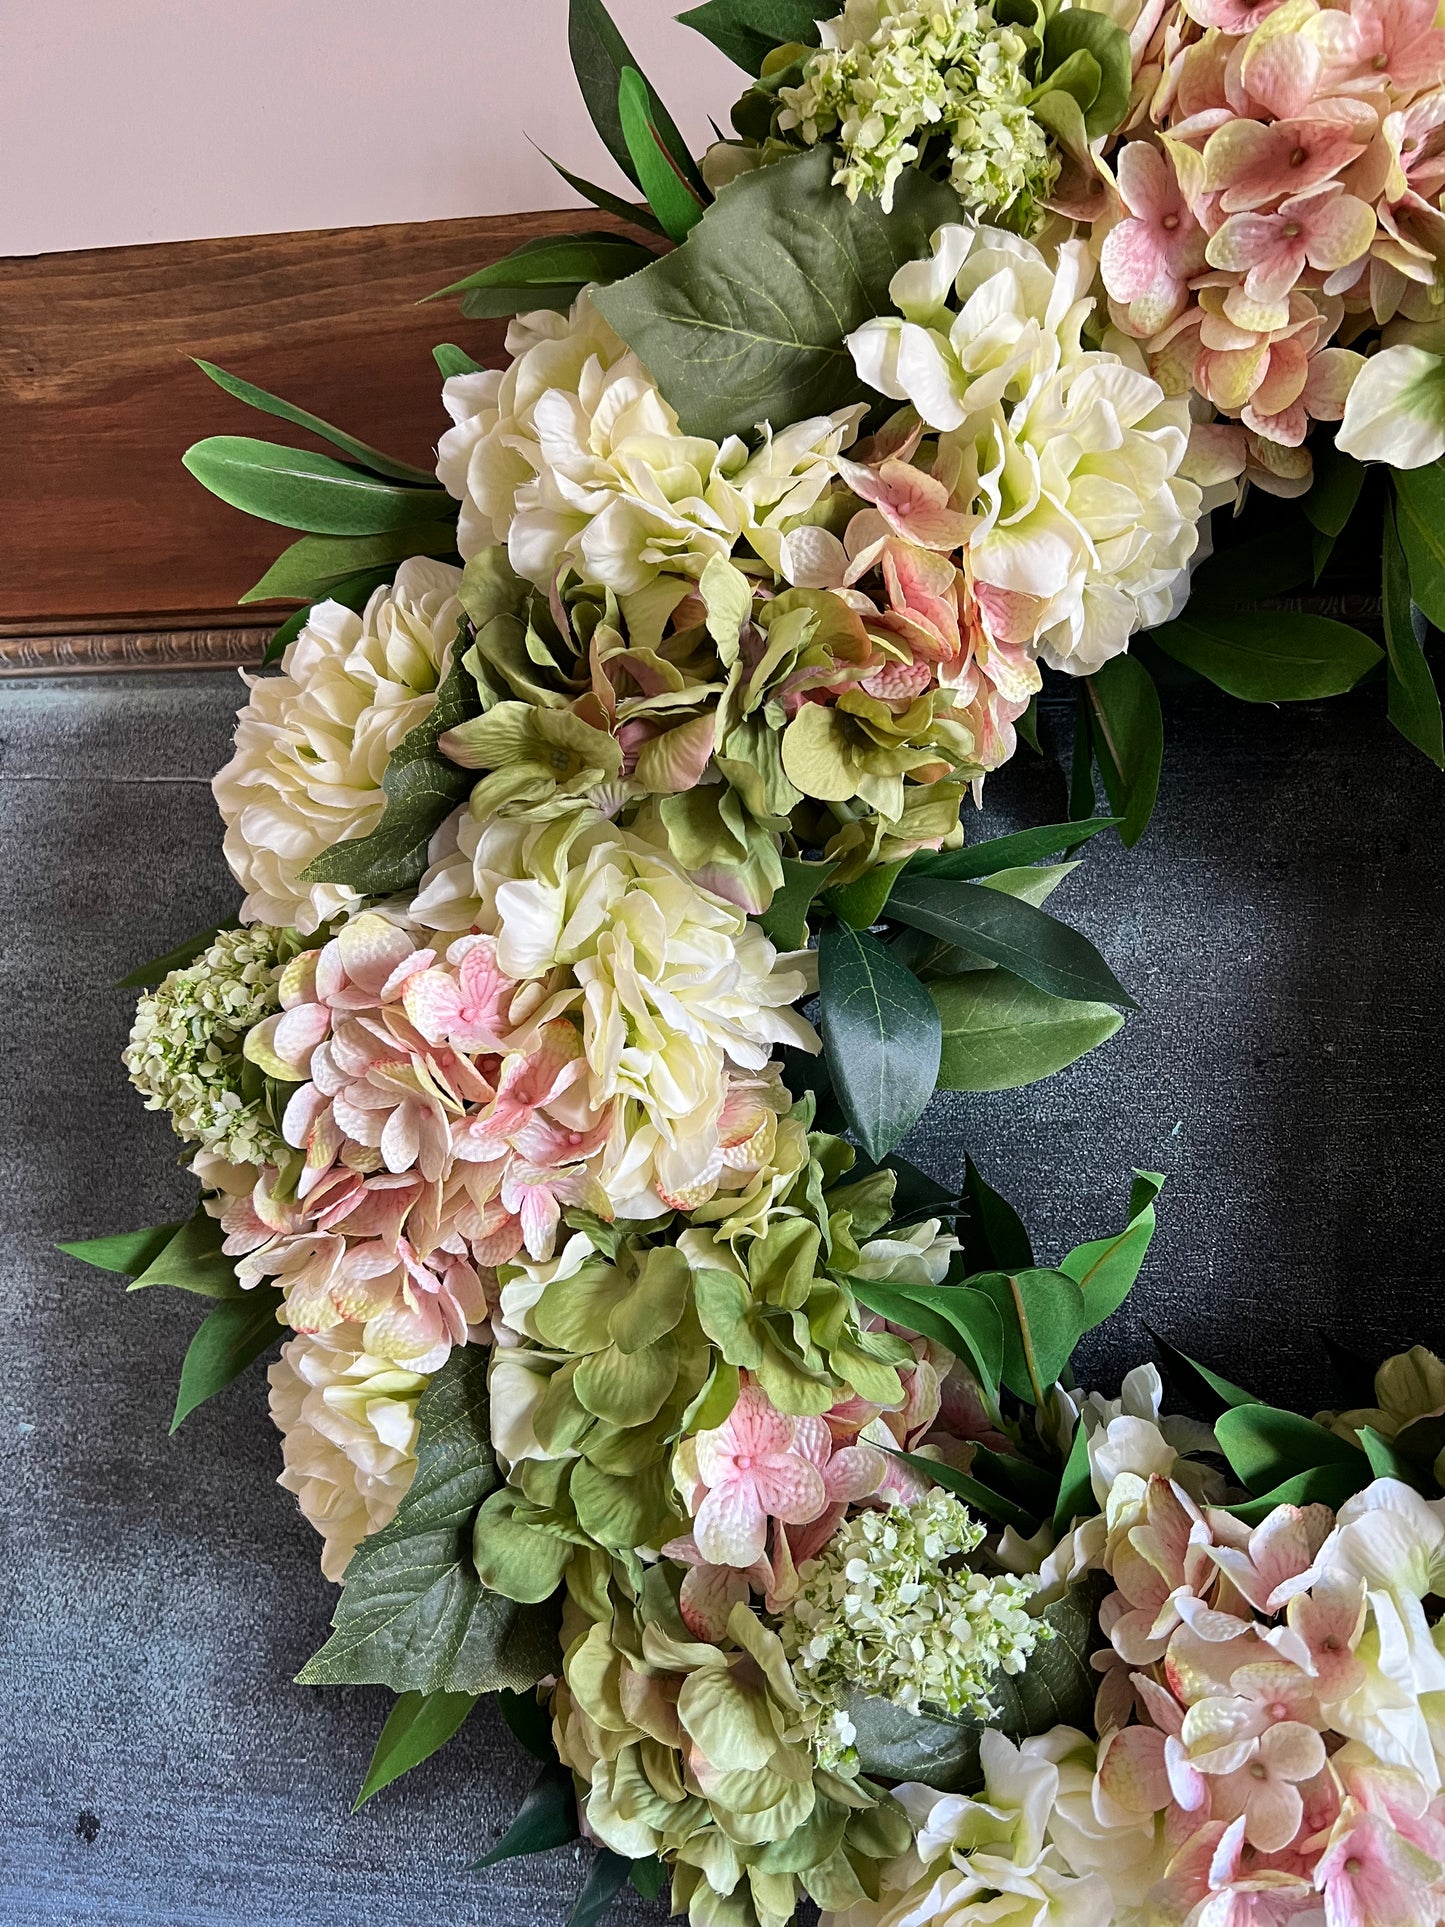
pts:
[168, 120]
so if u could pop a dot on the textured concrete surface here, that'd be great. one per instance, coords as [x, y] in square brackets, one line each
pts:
[1280, 927]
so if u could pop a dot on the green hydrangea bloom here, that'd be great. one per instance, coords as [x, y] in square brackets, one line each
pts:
[893, 76]
[185, 1050]
[882, 1611]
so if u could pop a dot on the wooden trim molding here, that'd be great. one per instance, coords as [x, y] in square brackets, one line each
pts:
[99, 653]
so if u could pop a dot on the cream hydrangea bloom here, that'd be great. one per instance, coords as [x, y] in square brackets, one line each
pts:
[573, 459]
[1065, 459]
[347, 1422]
[313, 743]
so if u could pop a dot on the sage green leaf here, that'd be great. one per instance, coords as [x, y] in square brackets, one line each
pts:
[1106, 1268]
[193, 1260]
[1270, 656]
[606, 1876]
[422, 788]
[352, 593]
[1338, 479]
[412, 1614]
[1413, 700]
[230, 1338]
[785, 921]
[305, 491]
[609, 202]
[977, 860]
[419, 1725]
[747, 31]
[1080, 30]
[147, 975]
[672, 200]
[746, 321]
[1076, 1492]
[1420, 521]
[862, 902]
[127, 1252]
[269, 404]
[1011, 932]
[1327, 1485]
[547, 272]
[1204, 1385]
[599, 55]
[547, 1818]
[1266, 1445]
[881, 1036]
[1056, 1688]
[314, 567]
[1043, 1319]
[1127, 730]
[452, 360]
[976, 1495]
[1000, 1032]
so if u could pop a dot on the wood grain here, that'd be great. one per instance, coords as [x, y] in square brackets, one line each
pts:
[100, 526]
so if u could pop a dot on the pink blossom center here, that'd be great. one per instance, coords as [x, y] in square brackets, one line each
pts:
[1297, 158]
[1170, 222]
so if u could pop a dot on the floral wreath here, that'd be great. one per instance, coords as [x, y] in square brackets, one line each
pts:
[611, 916]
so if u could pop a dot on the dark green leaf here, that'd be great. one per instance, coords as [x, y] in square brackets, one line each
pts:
[1079, 30]
[599, 54]
[861, 903]
[880, 1035]
[547, 272]
[610, 203]
[1034, 1487]
[999, 1032]
[1076, 1492]
[1385, 1461]
[747, 31]
[1056, 1688]
[354, 593]
[649, 1876]
[1270, 656]
[1127, 730]
[1327, 1485]
[785, 921]
[193, 1261]
[528, 1721]
[606, 1877]
[1322, 547]
[1106, 1268]
[417, 1726]
[422, 788]
[126, 1252]
[1007, 852]
[305, 491]
[1043, 1319]
[1414, 701]
[965, 1321]
[1198, 1381]
[547, 1818]
[147, 975]
[1027, 726]
[1266, 1445]
[1012, 933]
[363, 452]
[1082, 798]
[672, 200]
[230, 1338]
[1420, 521]
[1245, 572]
[992, 1232]
[1338, 479]
[746, 321]
[317, 565]
[976, 1495]
[412, 1614]
[452, 360]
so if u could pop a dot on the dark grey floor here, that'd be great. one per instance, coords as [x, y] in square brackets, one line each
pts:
[1280, 926]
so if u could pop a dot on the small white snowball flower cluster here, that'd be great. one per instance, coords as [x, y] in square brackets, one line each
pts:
[880, 1611]
[184, 1054]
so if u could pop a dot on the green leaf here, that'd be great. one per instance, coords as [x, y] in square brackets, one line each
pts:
[609, 203]
[1043, 1319]
[305, 491]
[126, 1252]
[1106, 1268]
[1076, 1492]
[746, 321]
[1082, 798]
[1012, 933]
[747, 31]
[649, 1876]
[417, 1726]
[1266, 1445]
[671, 198]
[547, 1818]
[1245, 572]
[1420, 520]
[363, 452]
[1080, 30]
[599, 55]
[1327, 1485]
[1007, 852]
[412, 1614]
[1414, 701]
[147, 975]
[606, 1877]
[451, 360]
[1000, 1032]
[230, 1338]
[993, 1505]
[193, 1260]
[422, 788]
[1056, 1688]
[862, 902]
[785, 921]
[965, 1321]
[1338, 479]
[527, 1721]
[1198, 1380]
[352, 593]
[547, 272]
[317, 565]
[880, 1036]
[992, 1233]
[1126, 727]
[1270, 656]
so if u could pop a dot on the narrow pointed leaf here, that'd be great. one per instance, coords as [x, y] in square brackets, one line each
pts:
[1106, 1268]
[606, 1877]
[547, 272]
[1012, 933]
[547, 1818]
[599, 55]
[1270, 656]
[312, 492]
[669, 196]
[881, 1036]
[451, 360]
[977, 1496]
[232, 1337]
[1338, 479]
[1082, 798]
[1420, 522]
[993, 1234]
[317, 565]
[1199, 1381]
[359, 451]
[125, 1252]
[147, 975]
[192, 1260]
[419, 1725]
[1127, 729]
[1414, 701]
[976, 860]
[785, 921]
[1076, 1492]
[609, 203]
[528, 1721]
[354, 592]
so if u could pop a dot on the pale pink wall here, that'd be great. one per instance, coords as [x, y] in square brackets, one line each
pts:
[167, 120]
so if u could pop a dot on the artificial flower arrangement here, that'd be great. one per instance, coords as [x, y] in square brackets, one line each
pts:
[610, 916]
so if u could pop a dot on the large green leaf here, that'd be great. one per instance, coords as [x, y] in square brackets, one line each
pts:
[747, 31]
[1414, 701]
[675, 203]
[548, 272]
[1000, 1032]
[547, 1818]
[353, 592]
[977, 860]
[422, 788]
[313, 492]
[1327, 1485]
[1420, 519]
[1201, 1384]
[599, 55]
[1270, 656]
[193, 1261]
[1043, 1319]
[413, 1614]
[1106, 1268]
[230, 1338]
[746, 321]
[1011, 932]
[126, 1252]
[1338, 479]
[418, 1725]
[1127, 731]
[269, 404]
[991, 1231]
[317, 565]
[881, 1036]
[1266, 1445]
[607, 1874]
[1056, 1688]
[966, 1321]
[1248, 572]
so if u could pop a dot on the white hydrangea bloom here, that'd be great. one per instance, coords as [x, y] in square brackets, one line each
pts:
[313, 743]
[572, 458]
[347, 1421]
